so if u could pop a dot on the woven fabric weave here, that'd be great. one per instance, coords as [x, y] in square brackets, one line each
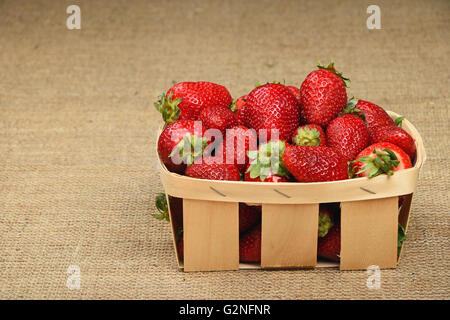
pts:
[78, 170]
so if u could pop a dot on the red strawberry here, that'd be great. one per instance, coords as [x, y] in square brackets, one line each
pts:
[315, 164]
[372, 114]
[296, 92]
[270, 177]
[248, 216]
[329, 247]
[272, 107]
[348, 134]
[326, 220]
[378, 158]
[238, 141]
[266, 164]
[323, 95]
[179, 143]
[213, 168]
[176, 208]
[250, 245]
[186, 100]
[238, 107]
[395, 135]
[309, 135]
[217, 117]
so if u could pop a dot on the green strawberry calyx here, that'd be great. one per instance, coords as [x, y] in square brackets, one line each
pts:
[168, 107]
[325, 224]
[189, 148]
[331, 68]
[232, 106]
[398, 121]
[268, 159]
[383, 162]
[307, 136]
[162, 207]
[351, 108]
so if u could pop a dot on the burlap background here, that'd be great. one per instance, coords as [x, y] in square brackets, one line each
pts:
[77, 135]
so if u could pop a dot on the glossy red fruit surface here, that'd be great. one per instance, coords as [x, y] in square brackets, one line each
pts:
[329, 247]
[380, 158]
[185, 100]
[323, 96]
[395, 135]
[272, 107]
[177, 137]
[213, 169]
[250, 245]
[348, 134]
[315, 164]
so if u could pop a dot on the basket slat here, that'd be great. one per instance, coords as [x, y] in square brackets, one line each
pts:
[211, 235]
[369, 233]
[289, 235]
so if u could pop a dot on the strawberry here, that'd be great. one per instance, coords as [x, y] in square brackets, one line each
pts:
[274, 108]
[309, 135]
[186, 100]
[315, 164]
[378, 158]
[238, 141]
[329, 247]
[266, 163]
[213, 168]
[217, 117]
[179, 143]
[248, 216]
[270, 177]
[323, 95]
[348, 134]
[371, 113]
[296, 92]
[394, 135]
[250, 245]
[326, 220]
[238, 107]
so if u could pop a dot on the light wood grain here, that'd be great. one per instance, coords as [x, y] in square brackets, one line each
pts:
[211, 235]
[289, 235]
[369, 233]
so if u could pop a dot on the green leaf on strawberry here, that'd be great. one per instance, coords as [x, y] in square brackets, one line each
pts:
[267, 159]
[331, 68]
[162, 207]
[351, 108]
[168, 107]
[189, 148]
[384, 161]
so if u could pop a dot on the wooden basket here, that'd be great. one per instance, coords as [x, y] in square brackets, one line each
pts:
[369, 218]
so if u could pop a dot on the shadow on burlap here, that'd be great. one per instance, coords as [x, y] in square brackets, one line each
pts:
[77, 126]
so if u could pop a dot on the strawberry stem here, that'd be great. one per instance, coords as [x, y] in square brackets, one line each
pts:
[267, 159]
[331, 68]
[168, 107]
[383, 162]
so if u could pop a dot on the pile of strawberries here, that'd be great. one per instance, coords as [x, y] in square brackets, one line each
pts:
[278, 133]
